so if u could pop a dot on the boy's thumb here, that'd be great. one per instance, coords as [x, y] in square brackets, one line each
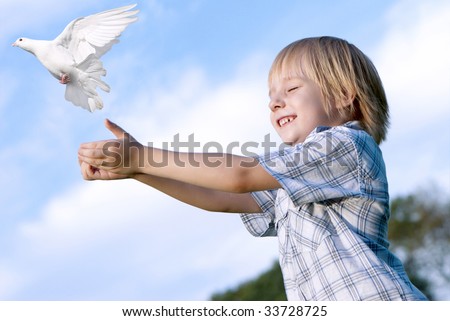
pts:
[115, 129]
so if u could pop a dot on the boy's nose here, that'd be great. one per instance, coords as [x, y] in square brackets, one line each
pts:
[276, 103]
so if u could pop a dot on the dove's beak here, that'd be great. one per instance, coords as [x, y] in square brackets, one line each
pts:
[14, 44]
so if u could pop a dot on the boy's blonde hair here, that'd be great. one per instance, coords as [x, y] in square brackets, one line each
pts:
[343, 73]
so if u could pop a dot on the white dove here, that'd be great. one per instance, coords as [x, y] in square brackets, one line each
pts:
[74, 56]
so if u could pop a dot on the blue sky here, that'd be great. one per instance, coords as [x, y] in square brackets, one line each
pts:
[186, 67]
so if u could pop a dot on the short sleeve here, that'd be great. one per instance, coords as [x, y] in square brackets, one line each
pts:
[324, 167]
[262, 224]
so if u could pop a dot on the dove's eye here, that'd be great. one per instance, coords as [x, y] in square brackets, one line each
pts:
[20, 39]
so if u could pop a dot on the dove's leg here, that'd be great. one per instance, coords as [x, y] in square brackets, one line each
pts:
[65, 79]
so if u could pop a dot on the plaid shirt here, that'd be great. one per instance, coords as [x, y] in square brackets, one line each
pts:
[331, 218]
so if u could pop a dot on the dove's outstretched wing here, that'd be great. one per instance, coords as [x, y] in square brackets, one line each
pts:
[97, 33]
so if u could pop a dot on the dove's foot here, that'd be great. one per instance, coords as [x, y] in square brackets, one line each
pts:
[65, 79]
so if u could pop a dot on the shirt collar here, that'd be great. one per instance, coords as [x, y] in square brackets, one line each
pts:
[354, 124]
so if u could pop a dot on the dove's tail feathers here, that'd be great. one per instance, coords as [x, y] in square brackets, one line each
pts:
[82, 90]
[76, 95]
[94, 70]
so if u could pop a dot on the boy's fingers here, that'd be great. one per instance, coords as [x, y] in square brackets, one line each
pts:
[115, 129]
[93, 162]
[118, 131]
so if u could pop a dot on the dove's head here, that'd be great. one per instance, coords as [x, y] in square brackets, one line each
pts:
[24, 43]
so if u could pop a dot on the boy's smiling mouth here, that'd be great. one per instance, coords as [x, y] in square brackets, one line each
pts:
[286, 120]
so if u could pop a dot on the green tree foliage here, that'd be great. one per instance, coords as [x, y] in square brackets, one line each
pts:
[419, 231]
[266, 287]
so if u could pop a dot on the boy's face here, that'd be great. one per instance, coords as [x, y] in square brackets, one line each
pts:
[296, 108]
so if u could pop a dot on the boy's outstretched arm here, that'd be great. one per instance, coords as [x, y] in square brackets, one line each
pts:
[204, 198]
[216, 182]
[207, 199]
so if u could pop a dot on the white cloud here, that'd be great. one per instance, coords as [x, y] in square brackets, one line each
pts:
[413, 61]
[414, 65]
[139, 236]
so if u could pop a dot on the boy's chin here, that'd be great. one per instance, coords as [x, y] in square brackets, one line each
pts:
[291, 138]
[290, 141]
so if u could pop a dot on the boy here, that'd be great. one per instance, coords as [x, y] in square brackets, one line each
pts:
[325, 196]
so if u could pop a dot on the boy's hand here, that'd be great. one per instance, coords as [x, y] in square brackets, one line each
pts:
[91, 173]
[110, 159]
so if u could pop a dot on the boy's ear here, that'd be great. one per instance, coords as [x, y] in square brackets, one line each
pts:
[346, 100]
